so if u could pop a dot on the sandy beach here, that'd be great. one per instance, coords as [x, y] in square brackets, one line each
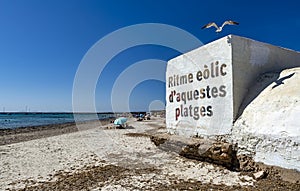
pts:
[105, 158]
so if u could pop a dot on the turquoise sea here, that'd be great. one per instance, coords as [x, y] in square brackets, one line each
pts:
[29, 119]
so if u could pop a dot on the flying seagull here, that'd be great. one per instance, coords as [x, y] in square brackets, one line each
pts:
[219, 29]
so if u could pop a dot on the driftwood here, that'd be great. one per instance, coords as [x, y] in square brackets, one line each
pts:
[221, 153]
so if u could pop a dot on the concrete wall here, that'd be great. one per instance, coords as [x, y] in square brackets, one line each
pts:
[211, 57]
[246, 60]
[269, 127]
[250, 59]
[262, 120]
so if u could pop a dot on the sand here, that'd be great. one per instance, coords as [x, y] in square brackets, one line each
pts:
[105, 158]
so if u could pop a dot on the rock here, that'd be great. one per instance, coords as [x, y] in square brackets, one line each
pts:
[260, 175]
[158, 140]
[247, 164]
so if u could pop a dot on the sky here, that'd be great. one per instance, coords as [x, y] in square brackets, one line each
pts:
[43, 43]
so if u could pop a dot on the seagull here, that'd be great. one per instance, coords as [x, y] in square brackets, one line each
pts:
[219, 29]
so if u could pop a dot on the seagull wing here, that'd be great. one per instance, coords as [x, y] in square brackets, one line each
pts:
[229, 23]
[211, 24]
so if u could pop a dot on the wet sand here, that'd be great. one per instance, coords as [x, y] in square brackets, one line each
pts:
[93, 157]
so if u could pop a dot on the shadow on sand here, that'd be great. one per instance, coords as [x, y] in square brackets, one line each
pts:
[127, 127]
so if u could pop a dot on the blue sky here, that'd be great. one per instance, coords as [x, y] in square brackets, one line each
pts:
[43, 42]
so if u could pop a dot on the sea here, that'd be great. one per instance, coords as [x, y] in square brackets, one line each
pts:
[30, 119]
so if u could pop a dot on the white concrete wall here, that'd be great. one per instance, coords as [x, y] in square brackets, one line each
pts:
[251, 58]
[218, 120]
[246, 59]
[268, 128]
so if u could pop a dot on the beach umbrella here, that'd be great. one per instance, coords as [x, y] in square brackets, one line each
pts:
[120, 121]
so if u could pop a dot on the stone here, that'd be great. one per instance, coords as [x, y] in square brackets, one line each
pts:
[246, 163]
[158, 140]
[260, 175]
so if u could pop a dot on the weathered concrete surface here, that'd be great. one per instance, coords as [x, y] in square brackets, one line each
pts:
[269, 127]
[260, 107]
[199, 91]
[250, 59]
[244, 60]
